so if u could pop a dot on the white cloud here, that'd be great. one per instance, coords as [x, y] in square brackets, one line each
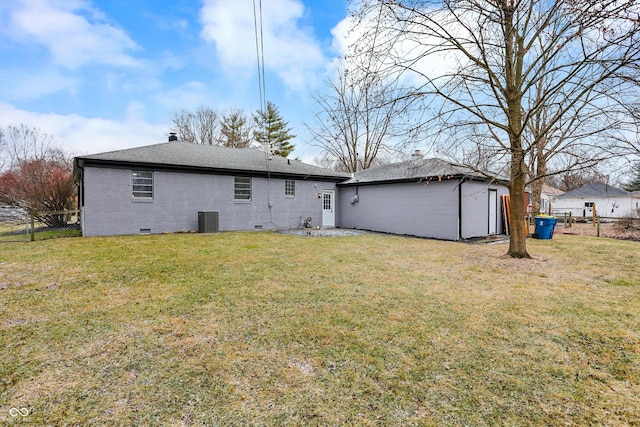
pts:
[84, 135]
[425, 56]
[186, 96]
[289, 51]
[343, 35]
[72, 31]
[30, 84]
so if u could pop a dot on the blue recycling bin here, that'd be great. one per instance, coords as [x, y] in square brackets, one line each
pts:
[545, 226]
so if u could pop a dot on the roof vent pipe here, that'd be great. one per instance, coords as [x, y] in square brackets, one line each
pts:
[173, 136]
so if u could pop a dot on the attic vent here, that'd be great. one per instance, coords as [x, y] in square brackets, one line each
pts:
[173, 136]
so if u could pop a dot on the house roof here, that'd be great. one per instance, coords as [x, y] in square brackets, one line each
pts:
[413, 170]
[551, 191]
[209, 158]
[595, 189]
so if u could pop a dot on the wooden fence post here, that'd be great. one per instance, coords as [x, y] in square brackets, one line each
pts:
[598, 233]
[594, 217]
[32, 217]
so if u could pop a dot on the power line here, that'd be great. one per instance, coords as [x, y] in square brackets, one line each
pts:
[262, 90]
[258, 29]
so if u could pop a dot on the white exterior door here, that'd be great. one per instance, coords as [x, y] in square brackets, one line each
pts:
[588, 209]
[493, 212]
[328, 209]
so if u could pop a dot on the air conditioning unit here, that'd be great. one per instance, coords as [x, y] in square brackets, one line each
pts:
[208, 222]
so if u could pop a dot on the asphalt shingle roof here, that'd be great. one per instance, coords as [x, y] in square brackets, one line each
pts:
[596, 189]
[211, 157]
[411, 170]
[551, 191]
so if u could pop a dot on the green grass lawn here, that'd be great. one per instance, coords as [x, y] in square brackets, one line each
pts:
[260, 328]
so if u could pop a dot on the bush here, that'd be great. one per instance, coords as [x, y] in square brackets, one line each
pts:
[629, 223]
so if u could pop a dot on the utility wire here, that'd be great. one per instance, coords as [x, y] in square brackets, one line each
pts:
[258, 29]
[262, 90]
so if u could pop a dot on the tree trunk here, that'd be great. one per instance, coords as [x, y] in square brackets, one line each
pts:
[539, 166]
[536, 196]
[517, 240]
[514, 60]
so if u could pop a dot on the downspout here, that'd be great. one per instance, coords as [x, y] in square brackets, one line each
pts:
[460, 209]
[79, 181]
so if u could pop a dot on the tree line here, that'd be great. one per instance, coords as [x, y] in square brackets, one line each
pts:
[205, 125]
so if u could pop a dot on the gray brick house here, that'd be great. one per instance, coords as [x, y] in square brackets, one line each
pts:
[165, 188]
[162, 188]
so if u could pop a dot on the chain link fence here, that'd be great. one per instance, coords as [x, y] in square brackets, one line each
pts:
[13, 224]
[20, 225]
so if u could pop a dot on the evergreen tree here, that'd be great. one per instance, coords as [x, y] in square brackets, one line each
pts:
[634, 184]
[270, 128]
[234, 130]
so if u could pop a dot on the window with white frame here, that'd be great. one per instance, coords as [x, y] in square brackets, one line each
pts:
[142, 184]
[242, 189]
[289, 188]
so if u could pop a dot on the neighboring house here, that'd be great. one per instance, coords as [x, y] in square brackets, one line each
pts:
[162, 188]
[422, 197]
[609, 201]
[548, 197]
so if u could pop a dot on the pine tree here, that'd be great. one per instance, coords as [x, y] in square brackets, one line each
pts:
[634, 184]
[234, 130]
[271, 129]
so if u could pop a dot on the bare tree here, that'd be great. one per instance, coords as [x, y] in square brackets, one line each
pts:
[361, 119]
[4, 151]
[497, 53]
[573, 135]
[23, 143]
[235, 129]
[568, 180]
[199, 126]
[39, 176]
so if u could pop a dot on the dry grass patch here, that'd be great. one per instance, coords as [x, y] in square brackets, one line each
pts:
[269, 329]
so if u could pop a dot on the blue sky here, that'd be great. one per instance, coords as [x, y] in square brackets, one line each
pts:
[109, 74]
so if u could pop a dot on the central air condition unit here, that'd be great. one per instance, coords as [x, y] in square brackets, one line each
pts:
[208, 222]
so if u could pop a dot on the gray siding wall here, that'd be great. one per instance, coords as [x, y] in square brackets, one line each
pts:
[109, 208]
[418, 209]
[475, 208]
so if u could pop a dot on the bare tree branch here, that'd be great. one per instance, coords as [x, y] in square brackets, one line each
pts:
[529, 81]
[199, 126]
